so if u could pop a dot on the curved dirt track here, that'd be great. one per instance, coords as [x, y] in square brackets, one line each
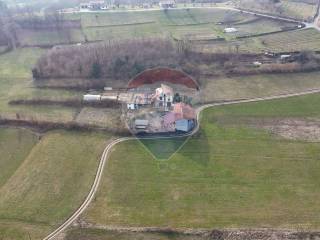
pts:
[106, 152]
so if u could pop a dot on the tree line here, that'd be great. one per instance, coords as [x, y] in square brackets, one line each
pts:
[116, 60]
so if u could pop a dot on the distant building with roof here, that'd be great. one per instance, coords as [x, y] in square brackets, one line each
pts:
[230, 30]
[167, 4]
[94, 5]
[184, 125]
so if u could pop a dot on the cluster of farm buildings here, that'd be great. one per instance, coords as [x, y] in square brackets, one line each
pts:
[159, 110]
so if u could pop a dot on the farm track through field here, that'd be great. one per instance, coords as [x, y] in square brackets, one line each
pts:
[108, 148]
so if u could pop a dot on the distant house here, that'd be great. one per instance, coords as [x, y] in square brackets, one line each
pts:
[230, 30]
[167, 4]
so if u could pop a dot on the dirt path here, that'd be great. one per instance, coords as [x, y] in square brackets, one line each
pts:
[108, 148]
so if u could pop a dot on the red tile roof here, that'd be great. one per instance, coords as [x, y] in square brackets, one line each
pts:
[183, 111]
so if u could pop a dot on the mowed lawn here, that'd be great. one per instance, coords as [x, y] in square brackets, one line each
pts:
[48, 182]
[225, 176]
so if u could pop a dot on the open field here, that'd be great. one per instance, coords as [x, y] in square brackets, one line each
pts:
[290, 8]
[300, 9]
[16, 83]
[298, 40]
[178, 23]
[18, 63]
[49, 37]
[49, 184]
[225, 176]
[15, 145]
[232, 88]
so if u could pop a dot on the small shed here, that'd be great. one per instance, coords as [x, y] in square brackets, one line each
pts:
[131, 106]
[141, 123]
[230, 30]
[91, 98]
[184, 125]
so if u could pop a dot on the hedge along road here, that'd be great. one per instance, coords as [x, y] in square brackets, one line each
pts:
[108, 148]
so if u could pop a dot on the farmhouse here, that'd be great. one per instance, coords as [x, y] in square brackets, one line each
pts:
[182, 118]
[167, 4]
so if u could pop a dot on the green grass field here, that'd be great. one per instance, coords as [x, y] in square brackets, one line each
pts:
[304, 10]
[230, 88]
[46, 184]
[298, 40]
[177, 23]
[15, 146]
[16, 83]
[225, 176]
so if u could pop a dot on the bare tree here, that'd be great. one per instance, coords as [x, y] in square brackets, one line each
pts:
[8, 28]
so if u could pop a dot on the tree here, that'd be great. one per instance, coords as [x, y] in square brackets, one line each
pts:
[177, 98]
[8, 28]
[96, 70]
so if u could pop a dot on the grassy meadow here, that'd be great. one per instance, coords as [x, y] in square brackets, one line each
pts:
[297, 40]
[304, 10]
[195, 24]
[15, 146]
[226, 176]
[231, 88]
[49, 37]
[16, 83]
[47, 181]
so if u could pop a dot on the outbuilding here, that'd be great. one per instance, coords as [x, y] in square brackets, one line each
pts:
[230, 30]
[141, 123]
[91, 98]
[184, 125]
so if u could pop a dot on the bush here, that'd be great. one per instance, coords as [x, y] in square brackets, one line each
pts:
[96, 70]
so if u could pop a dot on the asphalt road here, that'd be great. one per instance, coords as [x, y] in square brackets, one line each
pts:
[108, 148]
